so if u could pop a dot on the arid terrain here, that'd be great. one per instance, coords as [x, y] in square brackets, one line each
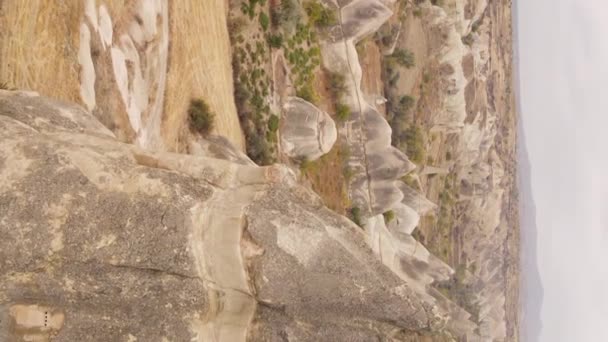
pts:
[260, 170]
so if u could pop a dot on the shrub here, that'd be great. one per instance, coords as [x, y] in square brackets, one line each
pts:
[264, 21]
[273, 123]
[258, 149]
[307, 92]
[388, 216]
[342, 112]
[403, 107]
[355, 216]
[275, 41]
[337, 84]
[288, 13]
[414, 140]
[404, 58]
[319, 15]
[201, 117]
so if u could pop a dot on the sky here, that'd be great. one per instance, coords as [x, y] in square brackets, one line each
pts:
[563, 64]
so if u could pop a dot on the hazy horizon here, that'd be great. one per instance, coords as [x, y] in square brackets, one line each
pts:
[562, 70]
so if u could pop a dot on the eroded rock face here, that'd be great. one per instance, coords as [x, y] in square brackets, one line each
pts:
[104, 241]
[306, 131]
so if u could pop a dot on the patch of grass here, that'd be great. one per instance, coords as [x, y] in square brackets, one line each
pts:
[200, 117]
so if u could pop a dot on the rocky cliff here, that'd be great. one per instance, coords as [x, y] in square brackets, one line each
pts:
[105, 241]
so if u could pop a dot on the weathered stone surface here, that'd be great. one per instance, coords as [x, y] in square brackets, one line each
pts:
[103, 241]
[306, 131]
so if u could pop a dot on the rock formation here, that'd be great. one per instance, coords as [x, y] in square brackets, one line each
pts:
[306, 131]
[105, 241]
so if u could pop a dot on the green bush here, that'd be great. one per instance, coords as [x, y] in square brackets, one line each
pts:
[201, 117]
[318, 15]
[404, 58]
[258, 149]
[402, 108]
[388, 216]
[273, 123]
[337, 84]
[355, 216]
[342, 112]
[275, 41]
[307, 92]
[264, 21]
[287, 15]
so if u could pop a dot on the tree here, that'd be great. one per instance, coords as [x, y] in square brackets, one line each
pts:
[275, 41]
[404, 58]
[264, 21]
[201, 117]
[273, 123]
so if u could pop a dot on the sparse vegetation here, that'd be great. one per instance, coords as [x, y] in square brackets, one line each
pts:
[388, 216]
[414, 141]
[319, 15]
[275, 41]
[286, 15]
[404, 58]
[273, 123]
[410, 181]
[462, 292]
[200, 117]
[355, 216]
[264, 21]
[342, 112]
[337, 84]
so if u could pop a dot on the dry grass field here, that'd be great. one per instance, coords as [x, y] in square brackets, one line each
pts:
[198, 69]
[39, 46]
